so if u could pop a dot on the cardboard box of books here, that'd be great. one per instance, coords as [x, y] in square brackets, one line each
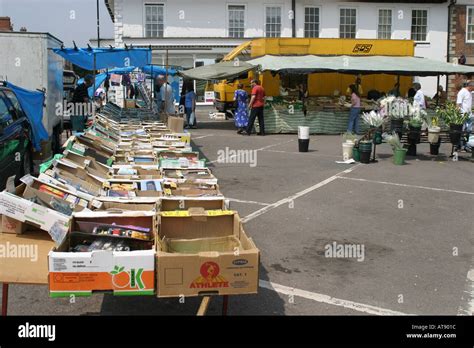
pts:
[105, 251]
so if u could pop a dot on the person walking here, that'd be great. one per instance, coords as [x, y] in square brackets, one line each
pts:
[257, 103]
[464, 103]
[353, 126]
[241, 112]
[190, 107]
[167, 97]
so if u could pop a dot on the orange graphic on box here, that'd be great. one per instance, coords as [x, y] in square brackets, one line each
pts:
[209, 277]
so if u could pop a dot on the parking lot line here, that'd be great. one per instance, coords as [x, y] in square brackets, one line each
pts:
[259, 149]
[296, 195]
[203, 136]
[407, 185]
[248, 202]
[356, 306]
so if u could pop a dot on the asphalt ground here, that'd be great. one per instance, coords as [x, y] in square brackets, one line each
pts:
[414, 222]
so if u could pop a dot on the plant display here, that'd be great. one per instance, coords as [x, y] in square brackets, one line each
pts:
[373, 119]
[417, 116]
[451, 114]
[394, 141]
[395, 107]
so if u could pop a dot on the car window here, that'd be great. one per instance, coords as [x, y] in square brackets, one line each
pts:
[15, 103]
[5, 116]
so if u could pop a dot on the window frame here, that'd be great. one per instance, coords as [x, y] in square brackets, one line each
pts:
[391, 21]
[228, 19]
[280, 6]
[319, 21]
[151, 3]
[467, 24]
[356, 9]
[426, 40]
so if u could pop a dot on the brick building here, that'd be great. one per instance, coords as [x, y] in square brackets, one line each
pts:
[461, 39]
[5, 24]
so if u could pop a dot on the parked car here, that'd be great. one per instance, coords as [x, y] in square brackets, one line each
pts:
[15, 139]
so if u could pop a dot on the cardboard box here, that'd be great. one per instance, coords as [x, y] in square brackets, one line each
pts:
[18, 208]
[175, 124]
[123, 272]
[198, 176]
[94, 168]
[166, 154]
[171, 188]
[184, 203]
[128, 205]
[130, 104]
[205, 273]
[12, 226]
[182, 163]
[136, 173]
[24, 257]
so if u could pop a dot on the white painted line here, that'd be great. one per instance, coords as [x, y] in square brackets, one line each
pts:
[356, 306]
[303, 153]
[260, 149]
[407, 185]
[202, 136]
[296, 195]
[467, 300]
[249, 202]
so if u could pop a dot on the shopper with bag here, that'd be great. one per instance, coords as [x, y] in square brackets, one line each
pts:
[241, 112]
[190, 107]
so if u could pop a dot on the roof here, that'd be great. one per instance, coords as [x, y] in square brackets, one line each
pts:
[219, 71]
[110, 8]
[412, 66]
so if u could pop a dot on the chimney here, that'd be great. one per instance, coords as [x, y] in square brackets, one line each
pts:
[5, 24]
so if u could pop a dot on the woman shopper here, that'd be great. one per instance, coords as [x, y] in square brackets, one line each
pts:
[190, 107]
[241, 110]
[353, 126]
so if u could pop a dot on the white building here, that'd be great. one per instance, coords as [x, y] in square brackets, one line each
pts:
[198, 32]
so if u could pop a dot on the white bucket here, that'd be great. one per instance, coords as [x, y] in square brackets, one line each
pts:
[347, 151]
[433, 135]
[303, 132]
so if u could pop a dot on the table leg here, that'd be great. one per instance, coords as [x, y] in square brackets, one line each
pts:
[4, 299]
[225, 304]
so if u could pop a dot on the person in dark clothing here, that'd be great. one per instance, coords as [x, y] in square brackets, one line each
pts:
[81, 98]
[257, 104]
[411, 93]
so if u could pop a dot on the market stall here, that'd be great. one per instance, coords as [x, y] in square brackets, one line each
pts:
[326, 114]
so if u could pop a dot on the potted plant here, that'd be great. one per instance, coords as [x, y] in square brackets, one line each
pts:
[399, 153]
[455, 118]
[433, 135]
[375, 121]
[414, 125]
[396, 109]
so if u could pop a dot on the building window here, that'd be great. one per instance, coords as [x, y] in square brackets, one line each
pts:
[273, 21]
[347, 23]
[311, 22]
[470, 24]
[236, 20]
[419, 24]
[384, 30]
[154, 20]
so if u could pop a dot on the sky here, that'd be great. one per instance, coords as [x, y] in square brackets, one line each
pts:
[68, 20]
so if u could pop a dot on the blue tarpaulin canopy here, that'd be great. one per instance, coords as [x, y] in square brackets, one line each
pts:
[32, 104]
[106, 58]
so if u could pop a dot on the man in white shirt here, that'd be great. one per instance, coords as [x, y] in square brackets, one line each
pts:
[419, 97]
[464, 102]
[167, 97]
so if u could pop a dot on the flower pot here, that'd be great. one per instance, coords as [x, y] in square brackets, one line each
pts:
[377, 136]
[303, 145]
[399, 156]
[434, 149]
[433, 135]
[414, 135]
[356, 154]
[347, 150]
[455, 132]
[365, 150]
